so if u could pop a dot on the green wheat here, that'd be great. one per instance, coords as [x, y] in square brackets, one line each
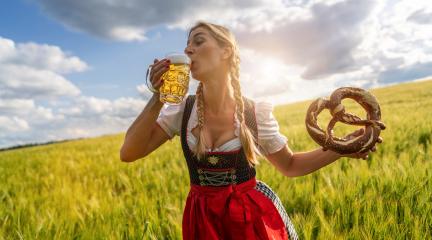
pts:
[81, 190]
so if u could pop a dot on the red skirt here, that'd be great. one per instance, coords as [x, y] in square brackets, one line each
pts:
[231, 212]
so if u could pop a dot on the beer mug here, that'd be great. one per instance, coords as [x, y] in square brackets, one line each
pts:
[175, 80]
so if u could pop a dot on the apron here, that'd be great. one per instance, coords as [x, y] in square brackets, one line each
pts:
[225, 200]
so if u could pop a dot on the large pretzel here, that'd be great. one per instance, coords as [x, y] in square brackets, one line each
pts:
[358, 144]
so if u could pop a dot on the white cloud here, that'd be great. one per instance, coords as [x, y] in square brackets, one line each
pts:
[290, 50]
[268, 79]
[88, 106]
[323, 37]
[127, 107]
[78, 117]
[13, 124]
[38, 103]
[144, 91]
[39, 56]
[130, 20]
[393, 48]
[30, 70]
[21, 81]
[27, 109]
[127, 34]
[421, 16]
[323, 41]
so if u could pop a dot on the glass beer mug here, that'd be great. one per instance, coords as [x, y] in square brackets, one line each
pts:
[175, 80]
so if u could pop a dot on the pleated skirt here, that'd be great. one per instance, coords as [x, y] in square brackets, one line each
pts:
[250, 210]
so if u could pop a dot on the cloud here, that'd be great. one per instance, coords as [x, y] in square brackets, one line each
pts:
[17, 81]
[345, 44]
[415, 71]
[323, 37]
[144, 91]
[27, 109]
[323, 42]
[89, 106]
[127, 34]
[23, 122]
[284, 45]
[421, 17]
[30, 70]
[394, 48]
[130, 20]
[39, 56]
[38, 103]
[319, 35]
[12, 124]
[77, 117]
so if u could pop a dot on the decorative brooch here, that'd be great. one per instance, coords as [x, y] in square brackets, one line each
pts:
[213, 160]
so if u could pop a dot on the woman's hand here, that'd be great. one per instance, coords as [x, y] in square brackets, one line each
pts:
[157, 70]
[364, 155]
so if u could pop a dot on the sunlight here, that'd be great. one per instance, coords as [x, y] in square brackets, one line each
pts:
[269, 67]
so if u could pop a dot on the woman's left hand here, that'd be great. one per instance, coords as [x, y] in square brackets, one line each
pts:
[364, 155]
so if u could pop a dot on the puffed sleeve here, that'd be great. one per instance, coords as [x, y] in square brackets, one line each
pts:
[170, 118]
[270, 139]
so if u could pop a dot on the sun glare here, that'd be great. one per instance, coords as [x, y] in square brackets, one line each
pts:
[271, 66]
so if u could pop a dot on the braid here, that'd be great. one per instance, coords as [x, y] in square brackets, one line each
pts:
[246, 137]
[226, 38]
[200, 145]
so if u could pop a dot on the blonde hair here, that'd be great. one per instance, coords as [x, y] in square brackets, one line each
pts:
[225, 38]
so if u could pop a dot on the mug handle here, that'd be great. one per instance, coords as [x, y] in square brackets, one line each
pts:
[150, 87]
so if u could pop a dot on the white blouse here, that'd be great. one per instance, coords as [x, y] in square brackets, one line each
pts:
[270, 140]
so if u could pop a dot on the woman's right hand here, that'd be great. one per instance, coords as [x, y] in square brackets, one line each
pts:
[157, 70]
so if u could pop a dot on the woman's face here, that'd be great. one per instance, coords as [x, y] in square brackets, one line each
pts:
[207, 57]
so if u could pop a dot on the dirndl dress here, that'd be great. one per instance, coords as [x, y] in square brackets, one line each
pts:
[225, 200]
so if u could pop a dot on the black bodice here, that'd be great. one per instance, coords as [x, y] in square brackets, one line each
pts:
[218, 168]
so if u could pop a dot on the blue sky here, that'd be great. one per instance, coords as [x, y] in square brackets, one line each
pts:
[26, 22]
[73, 69]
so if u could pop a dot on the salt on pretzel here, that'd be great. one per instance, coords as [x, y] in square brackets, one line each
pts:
[358, 144]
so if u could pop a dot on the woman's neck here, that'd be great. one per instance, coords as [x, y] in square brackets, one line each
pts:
[218, 95]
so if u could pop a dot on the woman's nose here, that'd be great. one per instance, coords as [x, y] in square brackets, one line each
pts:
[188, 51]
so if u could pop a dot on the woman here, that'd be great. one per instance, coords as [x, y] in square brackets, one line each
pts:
[222, 133]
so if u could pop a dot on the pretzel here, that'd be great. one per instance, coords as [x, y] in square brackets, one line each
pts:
[358, 144]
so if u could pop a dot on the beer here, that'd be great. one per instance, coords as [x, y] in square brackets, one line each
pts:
[175, 80]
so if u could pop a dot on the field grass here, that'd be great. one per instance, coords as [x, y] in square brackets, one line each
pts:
[81, 190]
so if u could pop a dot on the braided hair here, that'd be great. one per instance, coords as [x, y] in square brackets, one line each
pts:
[225, 38]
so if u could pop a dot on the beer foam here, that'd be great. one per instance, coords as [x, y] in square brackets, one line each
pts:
[179, 58]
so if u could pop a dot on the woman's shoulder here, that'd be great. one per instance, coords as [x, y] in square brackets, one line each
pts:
[263, 111]
[262, 108]
[260, 104]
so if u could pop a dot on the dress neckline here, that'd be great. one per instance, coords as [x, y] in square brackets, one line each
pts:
[217, 148]
[193, 122]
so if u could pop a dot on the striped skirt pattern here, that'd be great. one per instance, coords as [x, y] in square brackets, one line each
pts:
[268, 192]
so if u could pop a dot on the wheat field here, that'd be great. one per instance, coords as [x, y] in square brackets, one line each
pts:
[81, 190]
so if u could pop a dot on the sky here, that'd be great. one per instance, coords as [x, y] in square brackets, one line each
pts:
[74, 69]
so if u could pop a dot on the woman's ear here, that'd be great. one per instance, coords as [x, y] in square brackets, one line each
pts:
[227, 52]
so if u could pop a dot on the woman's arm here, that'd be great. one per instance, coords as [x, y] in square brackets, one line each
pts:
[307, 162]
[301, 163]
[139, 137]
